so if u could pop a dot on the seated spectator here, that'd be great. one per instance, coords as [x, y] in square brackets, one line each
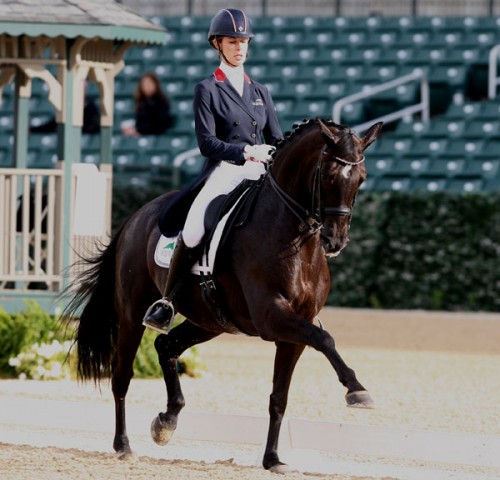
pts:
[152, 109]
[91, 120]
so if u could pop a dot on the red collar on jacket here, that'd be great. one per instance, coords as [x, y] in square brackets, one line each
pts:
[220, 76]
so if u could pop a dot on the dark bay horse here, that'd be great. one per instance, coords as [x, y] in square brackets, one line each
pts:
[272, 278]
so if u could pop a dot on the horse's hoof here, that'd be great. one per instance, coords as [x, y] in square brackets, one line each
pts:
[281, 468]
[128, 456]
[159, 431]
[359, 399]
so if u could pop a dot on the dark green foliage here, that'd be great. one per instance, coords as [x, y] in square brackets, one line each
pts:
[20, 330]
[421, 251]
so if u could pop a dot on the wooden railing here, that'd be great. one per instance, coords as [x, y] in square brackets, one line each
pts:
[31, 228]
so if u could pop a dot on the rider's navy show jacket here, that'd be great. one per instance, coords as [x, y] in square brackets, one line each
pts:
[225, 123]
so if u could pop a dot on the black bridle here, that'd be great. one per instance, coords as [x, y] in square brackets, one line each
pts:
[313, 219]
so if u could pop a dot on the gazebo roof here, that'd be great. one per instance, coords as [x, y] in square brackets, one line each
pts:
[77, 18]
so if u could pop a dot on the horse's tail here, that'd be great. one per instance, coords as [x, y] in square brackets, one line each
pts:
[98, 322]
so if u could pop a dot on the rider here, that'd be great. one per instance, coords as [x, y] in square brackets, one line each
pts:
[236, 126]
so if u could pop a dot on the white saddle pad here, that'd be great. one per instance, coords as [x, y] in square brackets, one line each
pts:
[165, 248]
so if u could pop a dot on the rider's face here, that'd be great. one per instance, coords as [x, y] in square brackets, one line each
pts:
[234, 49]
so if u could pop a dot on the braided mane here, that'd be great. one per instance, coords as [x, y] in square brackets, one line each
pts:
[299, 128]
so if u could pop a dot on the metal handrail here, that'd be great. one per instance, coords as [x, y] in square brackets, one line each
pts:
[178, 161]
[422, 106]
[493, 79]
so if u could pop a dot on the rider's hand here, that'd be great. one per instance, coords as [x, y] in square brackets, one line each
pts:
[258, 153]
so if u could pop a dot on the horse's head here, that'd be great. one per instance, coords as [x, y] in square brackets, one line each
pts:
[341, 170]
[317, 173]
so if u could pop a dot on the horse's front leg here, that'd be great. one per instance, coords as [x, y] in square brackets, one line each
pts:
[294, 329]
[169, 348]
[356, 395]
[286, 358]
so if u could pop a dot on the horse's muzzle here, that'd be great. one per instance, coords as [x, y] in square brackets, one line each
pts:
[333, 245]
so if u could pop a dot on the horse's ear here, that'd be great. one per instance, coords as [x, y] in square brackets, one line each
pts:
[327, 134]
[372, 134]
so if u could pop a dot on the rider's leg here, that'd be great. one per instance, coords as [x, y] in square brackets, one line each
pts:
[182, 261]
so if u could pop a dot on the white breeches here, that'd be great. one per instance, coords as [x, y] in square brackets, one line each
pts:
[225, 178]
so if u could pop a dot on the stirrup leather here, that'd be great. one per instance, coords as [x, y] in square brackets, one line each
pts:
[168, 305]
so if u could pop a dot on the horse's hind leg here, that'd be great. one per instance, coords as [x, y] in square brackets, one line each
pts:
[285, 361]
[169, 348]
[127, 345]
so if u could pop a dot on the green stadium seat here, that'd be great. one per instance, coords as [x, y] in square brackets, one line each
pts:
[122, 158]
[284, 106]
[489, 110]
[379, 165]
[42, 141]
[412, 128]
[383, 37]
[388, 145]
[429, 146]
[466, 185]
[462, 148]
[402, 22]
[134, 144]
[353, 37]
[483, 167]
[91, 156]
[430, 54]
[324, 37]
[411, 166]
[174, 143]
[5, 158]
[431, 22]
[441, 167]
[444, 128]
[461, 112]
[429, 184]
[447, 38]
[41, 158]
[312, 107]
[452, 74]
[133, 70]
[481, 128]
[491, 185]
[491, 148]
[416, 37]
[6, 122]
[160, 159]
[398, 55]
[392, 184]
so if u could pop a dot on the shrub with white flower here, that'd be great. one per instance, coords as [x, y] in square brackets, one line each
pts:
[46, 361]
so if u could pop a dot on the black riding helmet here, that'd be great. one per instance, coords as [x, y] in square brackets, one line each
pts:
[230, 22]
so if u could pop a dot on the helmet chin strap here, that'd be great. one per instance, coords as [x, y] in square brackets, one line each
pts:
[221, 53]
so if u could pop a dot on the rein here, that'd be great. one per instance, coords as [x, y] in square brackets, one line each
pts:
[312, 220]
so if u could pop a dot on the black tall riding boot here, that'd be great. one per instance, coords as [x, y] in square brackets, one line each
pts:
[160, 315]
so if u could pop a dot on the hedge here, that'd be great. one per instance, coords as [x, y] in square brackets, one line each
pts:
[432, 251]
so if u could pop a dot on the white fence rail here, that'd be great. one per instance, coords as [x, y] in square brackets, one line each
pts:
[31, 228]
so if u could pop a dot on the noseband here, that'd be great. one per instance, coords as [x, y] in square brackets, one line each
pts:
[312, 220]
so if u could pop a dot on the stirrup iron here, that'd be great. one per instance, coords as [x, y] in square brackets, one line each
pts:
[168, 305]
